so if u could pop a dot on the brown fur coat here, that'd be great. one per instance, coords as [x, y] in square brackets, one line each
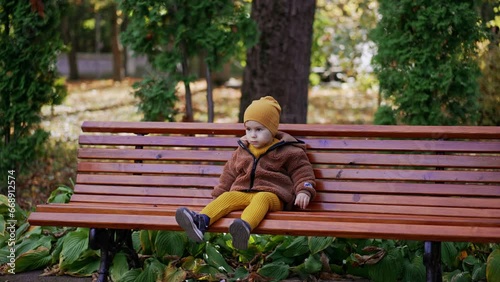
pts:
[284, 170]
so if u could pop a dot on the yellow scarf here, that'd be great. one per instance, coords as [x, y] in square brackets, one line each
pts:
[259, 151]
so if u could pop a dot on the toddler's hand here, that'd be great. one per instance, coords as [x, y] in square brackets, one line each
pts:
[302, 200]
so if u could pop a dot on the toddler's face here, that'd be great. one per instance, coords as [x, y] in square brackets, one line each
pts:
[257, 134]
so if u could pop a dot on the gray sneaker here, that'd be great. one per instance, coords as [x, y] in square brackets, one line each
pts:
[240, 230]
[193, 223]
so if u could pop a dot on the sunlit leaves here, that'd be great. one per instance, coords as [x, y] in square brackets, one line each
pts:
[493, 266]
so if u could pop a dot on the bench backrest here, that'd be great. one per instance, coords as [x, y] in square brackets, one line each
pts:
[373, 171]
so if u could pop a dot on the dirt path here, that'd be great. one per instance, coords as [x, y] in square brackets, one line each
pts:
[111, 101]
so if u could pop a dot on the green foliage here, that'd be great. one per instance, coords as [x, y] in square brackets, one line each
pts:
[427, 61]
[39, 247]
[170, 33]
[157, 98]
[493, 266]
[489, 82]
[28, 78]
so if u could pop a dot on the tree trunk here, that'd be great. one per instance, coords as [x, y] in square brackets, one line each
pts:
[279, 64]
[69, 39]
[116, 47]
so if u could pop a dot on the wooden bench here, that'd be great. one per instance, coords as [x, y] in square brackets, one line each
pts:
[427, 183]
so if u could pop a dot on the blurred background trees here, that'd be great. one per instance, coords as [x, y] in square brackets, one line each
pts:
[29, 40]
[427, 62]
[436, 62]
[432, 66]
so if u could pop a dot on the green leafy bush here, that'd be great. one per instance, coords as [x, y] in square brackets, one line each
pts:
[29, 36]
[427, 61]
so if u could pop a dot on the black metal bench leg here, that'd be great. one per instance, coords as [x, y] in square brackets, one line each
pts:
[432, 261]
[103, 271]
[111, 241]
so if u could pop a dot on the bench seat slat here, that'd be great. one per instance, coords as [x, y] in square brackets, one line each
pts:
[356, 198]
[290, 227]
[304, 216]
[314, 206]
[313, 144]
[415, 210]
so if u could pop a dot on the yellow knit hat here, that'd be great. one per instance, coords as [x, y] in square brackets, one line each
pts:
[265, 111]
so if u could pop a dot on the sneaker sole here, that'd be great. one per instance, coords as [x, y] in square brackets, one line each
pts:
[185, 220]
[240, 234]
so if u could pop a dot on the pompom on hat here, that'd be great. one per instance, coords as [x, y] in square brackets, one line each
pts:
[265, 111]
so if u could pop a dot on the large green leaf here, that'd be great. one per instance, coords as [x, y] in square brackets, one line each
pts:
[414, 271]
[33, 259]
[130, 276]
[312, 264]
[298, 247]
[86, 264]
[119, 266]
[60, 195]
[169, 243]
[215, 259]
[4, 204]
[276, 271]
[146, 244]
[75, 243]
[2, 225]
[461, 277]
[32, 243]
[240, 273]
[174, 274]
[389, 268]
[449, 253]
[153, 271]
[318, 244]
[493, 266]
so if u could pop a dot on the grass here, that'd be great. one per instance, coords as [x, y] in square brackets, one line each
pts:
[105, 100]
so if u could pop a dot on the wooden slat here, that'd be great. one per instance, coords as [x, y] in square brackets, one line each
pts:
[303, 216]
[414, 210]
[410, 201]
[158, 155]
[357, 199]
[409, 175]
[336, 188]
[152, 200]
[147, 180]
[489, 147]
[313, 144]
[289, 227]
[165, 141]
[385, 131]
[396, 188]
[321, 173]
[191, 169]
[142, 190]
[456, 161]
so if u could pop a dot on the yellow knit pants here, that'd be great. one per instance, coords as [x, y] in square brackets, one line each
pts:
[255, 206]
